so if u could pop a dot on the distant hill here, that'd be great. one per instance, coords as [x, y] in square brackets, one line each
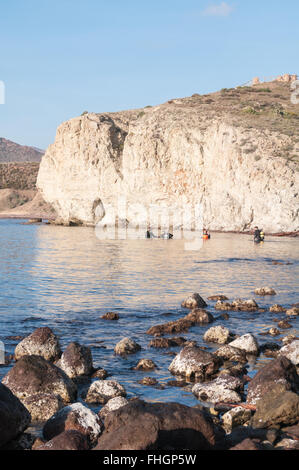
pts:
[12, 152]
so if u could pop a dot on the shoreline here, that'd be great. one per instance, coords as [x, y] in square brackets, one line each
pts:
[52, 219]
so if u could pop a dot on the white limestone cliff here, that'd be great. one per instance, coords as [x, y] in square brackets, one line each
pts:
[174, 154]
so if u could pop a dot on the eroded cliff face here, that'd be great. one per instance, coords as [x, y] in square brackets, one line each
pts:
[189, 151]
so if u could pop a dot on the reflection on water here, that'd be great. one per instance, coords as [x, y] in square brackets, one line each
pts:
[66, 278]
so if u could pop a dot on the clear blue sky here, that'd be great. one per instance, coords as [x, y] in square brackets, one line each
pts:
[59, 58]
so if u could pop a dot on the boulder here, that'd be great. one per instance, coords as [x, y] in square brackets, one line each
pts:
[110, 316]
[75, 417]
[167, 342]
[281, 371]
[32, 375]
[173, 327]
[264, 291]
[244, 305]
[276, 407]
[150, 381]
[76, 361]
[284, 325]
[100, 374]
[43, 405]
[66, 440]
[277, 308]
[247, 343]
[194, 362]
[235, 417]
[199, 316]
[14, 417]
[126, 346]
[102, 391]
[112, 405]
[194, 301]
[292, 312]
[291, 351]
[224, 389]
[145, 364]
[221, 305]
[163, 426]
[217, 297]
[230, 353]
[42, 342]
[218, 334]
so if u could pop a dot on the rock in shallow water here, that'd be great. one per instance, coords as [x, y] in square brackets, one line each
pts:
[218, 334]
[43, 406]
[247, 343]
[264, 291]
[194, 362]
[145, 364]
[291, 351]
[279, 371]
[224, 389]
[126, 346]
[194, 301]
[76, 360]
[101, 391]
[42, 342]
[32, 375]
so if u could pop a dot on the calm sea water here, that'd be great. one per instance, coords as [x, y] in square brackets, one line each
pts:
[66, 278]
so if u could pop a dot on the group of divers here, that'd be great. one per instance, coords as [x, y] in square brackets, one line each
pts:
[259, 235]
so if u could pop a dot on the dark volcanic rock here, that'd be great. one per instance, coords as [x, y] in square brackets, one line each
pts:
[42, 405]
[110, 316]
[67, 440]
[249, 444]
[177, 326]
[194, 301]
[14, 417]
[199, 316]
[76, 360]
[42, 342]
[166, 342]
[195, 317]
[280, 370]
[217, 297]
[126, 346]
[194, 362]
[32, 375]
[145, 364]
[74, 417]
[163, 426]
[277, 407]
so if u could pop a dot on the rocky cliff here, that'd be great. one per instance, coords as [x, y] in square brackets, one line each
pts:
[235, 152]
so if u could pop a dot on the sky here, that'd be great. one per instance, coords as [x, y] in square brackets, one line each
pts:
[59, 58]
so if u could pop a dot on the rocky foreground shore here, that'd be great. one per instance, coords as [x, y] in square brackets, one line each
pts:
[235, 412]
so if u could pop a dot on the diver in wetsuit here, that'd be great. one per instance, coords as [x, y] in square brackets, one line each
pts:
[258, 235]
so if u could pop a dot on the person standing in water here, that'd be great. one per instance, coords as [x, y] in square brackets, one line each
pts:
[259, 235]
